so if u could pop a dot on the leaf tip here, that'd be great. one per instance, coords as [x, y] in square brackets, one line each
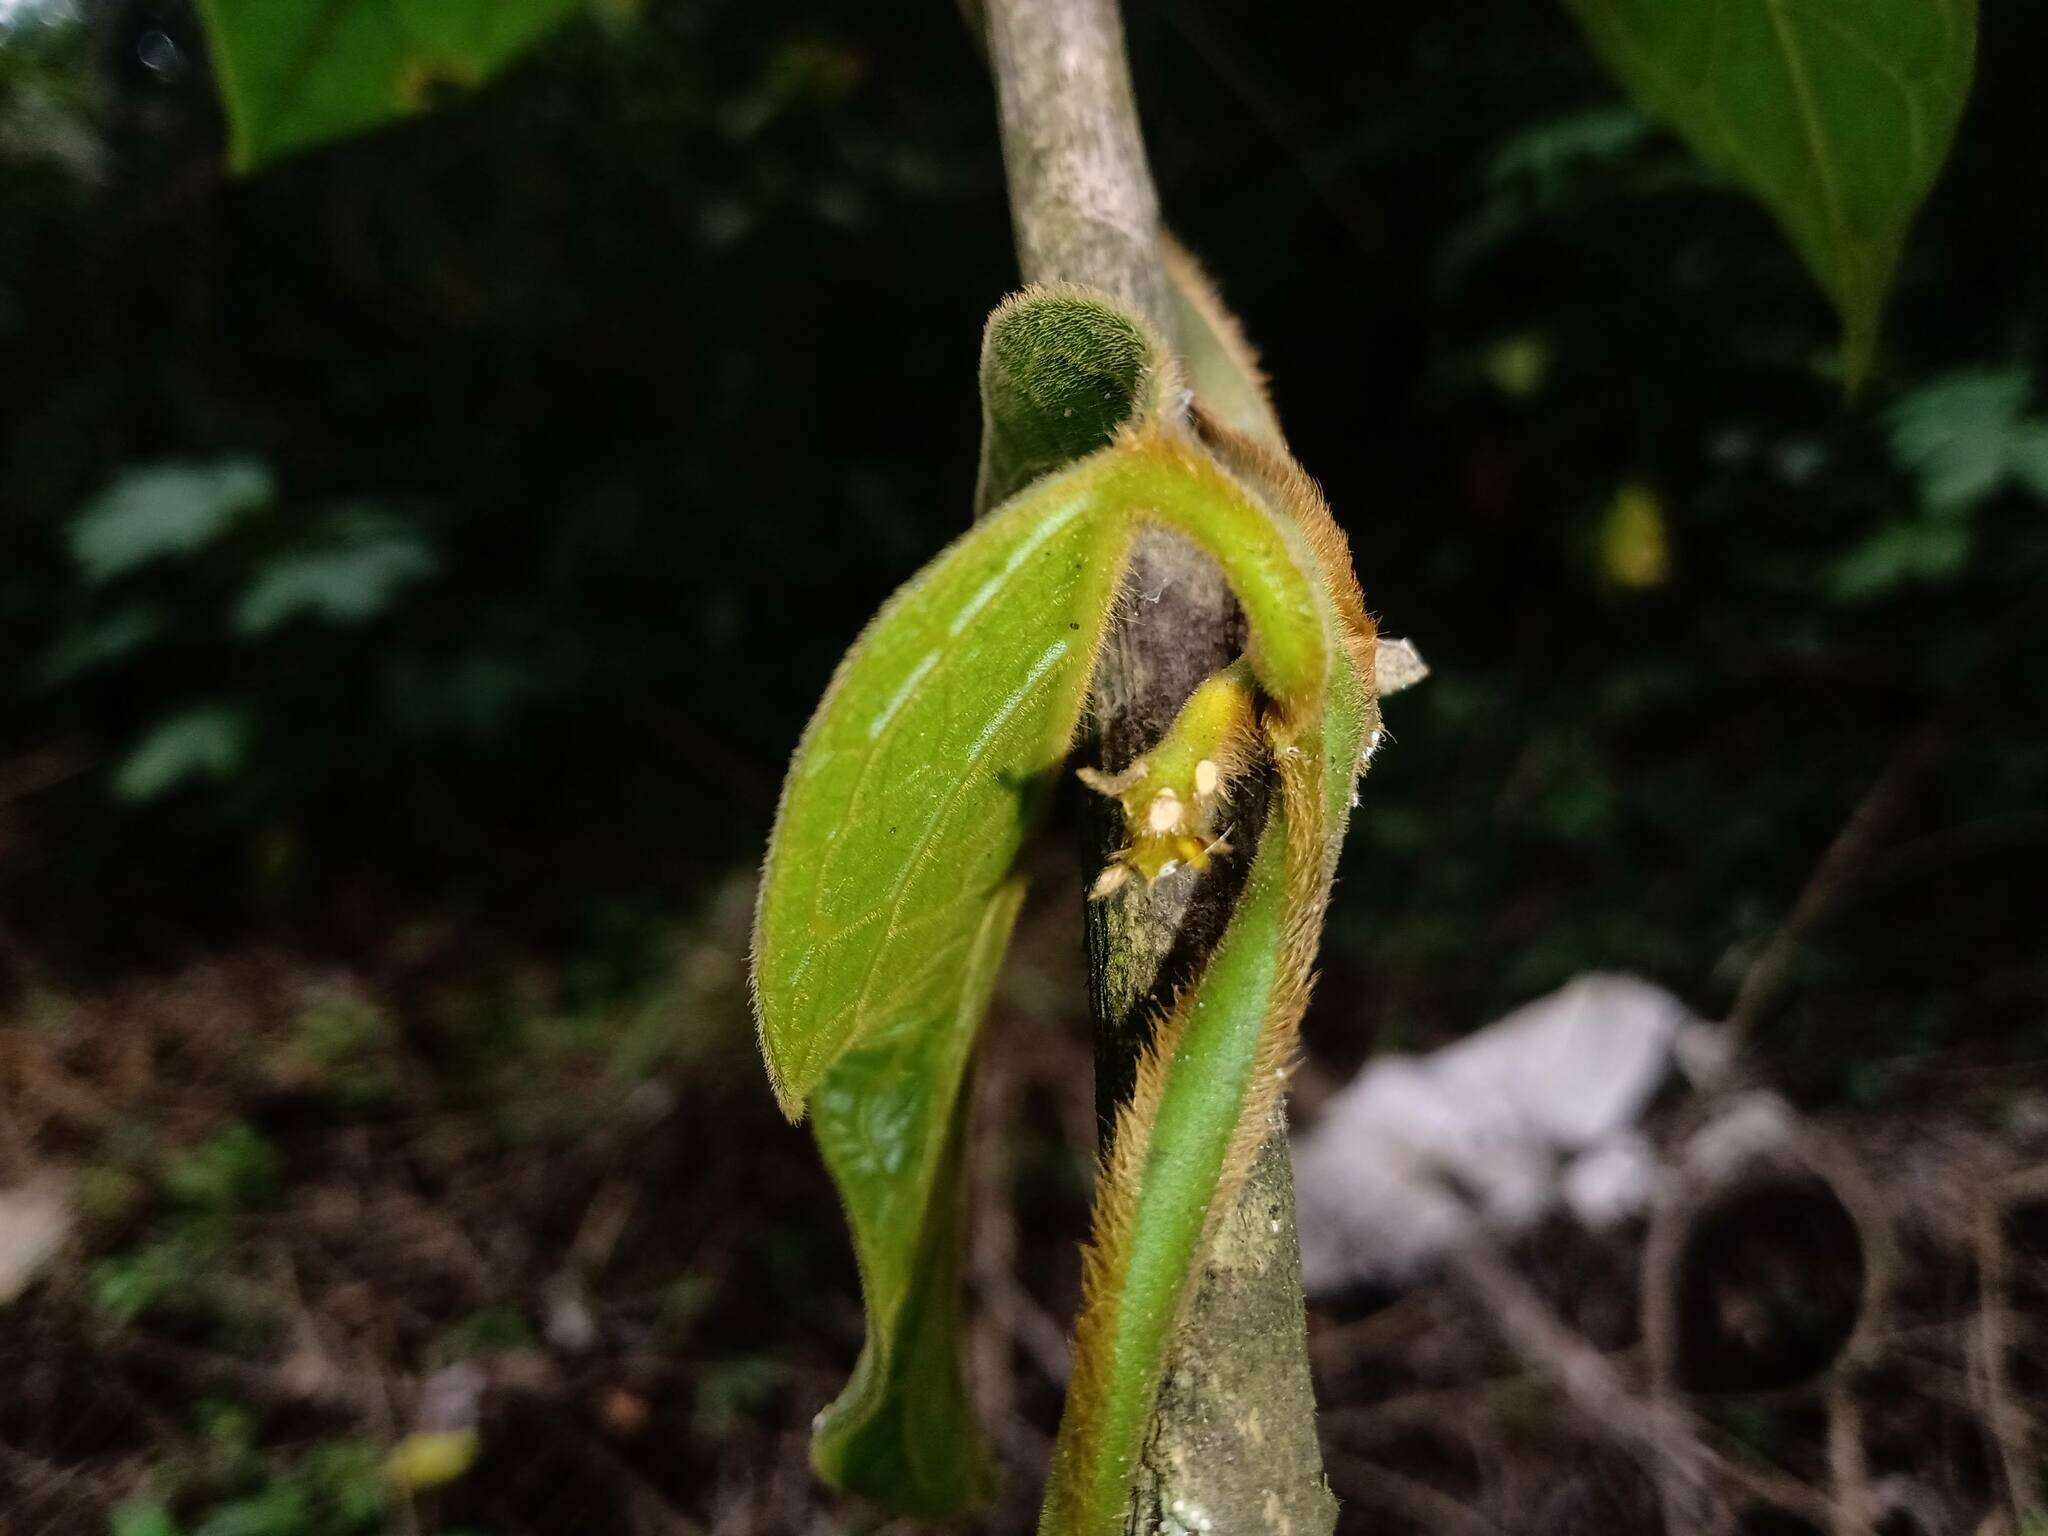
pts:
[791, 1095]
[791, 1101]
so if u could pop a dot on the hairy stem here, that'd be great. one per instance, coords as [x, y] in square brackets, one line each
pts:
[1233, 1440]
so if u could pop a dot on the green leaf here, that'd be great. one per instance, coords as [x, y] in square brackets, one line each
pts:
[1061, 370]
[350, 583]
[164, 510]
[102, 640]
[296, 73]
[1546, 154]
[891, 1123]
[1220, 363]
[1963, 435]
[890, 890]
[230, 1171]
[1836, 114]
[282, 1509]
[207, 741]
[141, 1517]
[914, 787]
[1898, 554]
[892, 881]
[938, 740]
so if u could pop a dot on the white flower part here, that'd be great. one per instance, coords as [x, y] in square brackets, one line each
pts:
[1112, 784]
[1166, 813]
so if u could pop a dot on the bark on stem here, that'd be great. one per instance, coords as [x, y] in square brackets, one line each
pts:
[1233, 1444]
[1081, 196]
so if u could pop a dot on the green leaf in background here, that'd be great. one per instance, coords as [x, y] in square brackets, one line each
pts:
[296, 73]
[163, 510]
[206, 741]
[351, 581]
[1965, 435]
[1898, 554]
[141, 1517]
[1837, 114]
[98, 642]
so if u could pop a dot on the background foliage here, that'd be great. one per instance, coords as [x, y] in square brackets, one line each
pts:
[502, 486]
[448, 531]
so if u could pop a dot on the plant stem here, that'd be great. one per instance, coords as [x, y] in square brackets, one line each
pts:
[1232, 1445]
[1081, 196]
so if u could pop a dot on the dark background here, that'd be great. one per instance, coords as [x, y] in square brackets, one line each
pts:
[600, 411]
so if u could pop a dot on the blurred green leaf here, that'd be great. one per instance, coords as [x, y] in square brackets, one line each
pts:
[233, 1169]
[1963, 436]
[1837, 114]
[1898, 554]
[127, 1286]
[105, 638]
[296, 73]
[1546, 153]
[282, 1509]
[347, 1477]
[2027, 457]
[487, 1331]
[207, 741]
[141, 1517]
[348, 584]
[163, 510]
[729, 1390]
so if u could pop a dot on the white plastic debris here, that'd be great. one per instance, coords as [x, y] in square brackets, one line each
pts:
[1613, 1181]
[1535, 1111]
[1752, 1125]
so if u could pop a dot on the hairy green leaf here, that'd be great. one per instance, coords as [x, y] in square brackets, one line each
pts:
[890, 1119]
[918, 779]
[891, 883]
[886, 906]
[1221, 366]
[1837, 114]
[937, 741]
[890, 892]
[1061, 370]
[1202, 1105]
[296, 73]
